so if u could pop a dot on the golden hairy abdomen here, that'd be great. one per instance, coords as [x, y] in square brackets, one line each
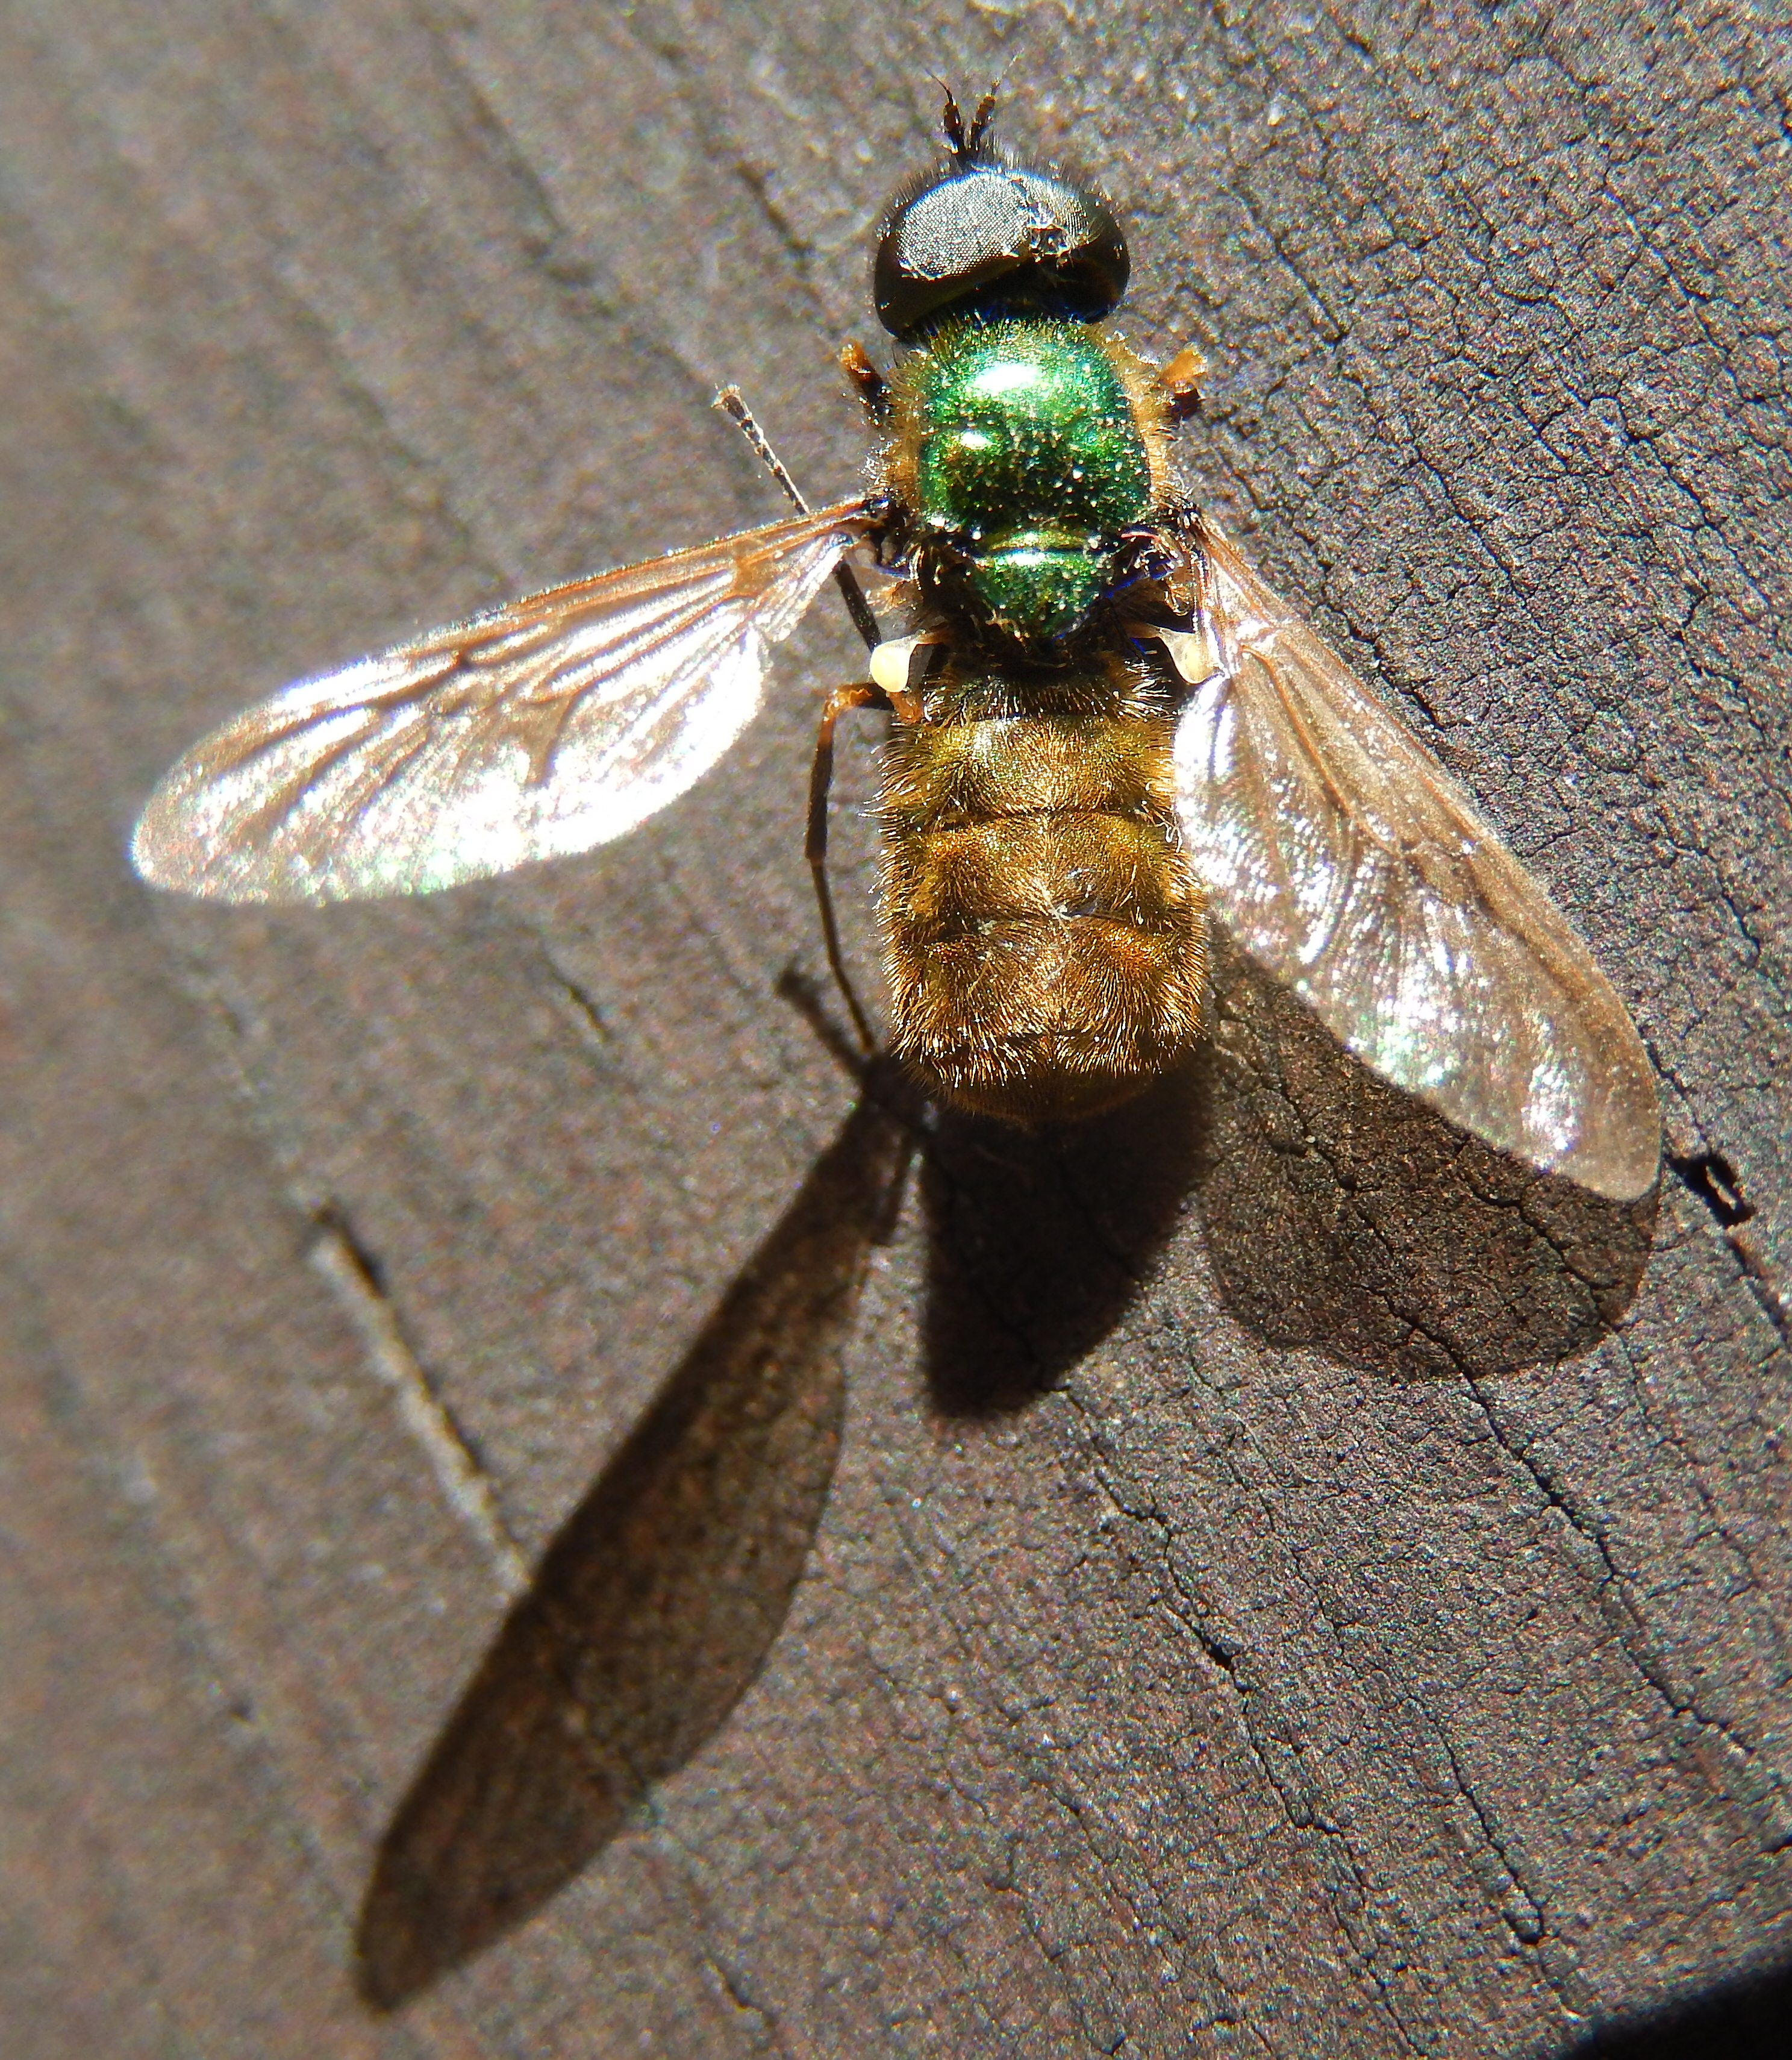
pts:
[1046, 945]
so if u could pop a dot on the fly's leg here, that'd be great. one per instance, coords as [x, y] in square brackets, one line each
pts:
[907, 708]
[738, 412]
[821, 773]
[868, 383]
[815, 844]
[1182, 376]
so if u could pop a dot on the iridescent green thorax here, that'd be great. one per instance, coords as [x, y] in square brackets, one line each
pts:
[1024, 454]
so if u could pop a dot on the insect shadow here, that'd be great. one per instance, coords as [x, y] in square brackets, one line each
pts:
[1039, 1241]
[1742, 2018]
[1337, 1212]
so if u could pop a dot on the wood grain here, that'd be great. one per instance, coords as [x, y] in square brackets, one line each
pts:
[1290, 1584]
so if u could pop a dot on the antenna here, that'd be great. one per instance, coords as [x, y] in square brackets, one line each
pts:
[965, 143]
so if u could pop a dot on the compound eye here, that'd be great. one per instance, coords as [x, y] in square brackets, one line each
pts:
[989, 228]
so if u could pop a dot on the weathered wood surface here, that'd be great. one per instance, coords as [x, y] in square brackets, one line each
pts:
[1288, 1586]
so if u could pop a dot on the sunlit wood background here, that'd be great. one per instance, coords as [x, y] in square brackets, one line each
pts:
[1289, 1585]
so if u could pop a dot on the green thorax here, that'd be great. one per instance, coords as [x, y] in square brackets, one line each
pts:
[1029, 462]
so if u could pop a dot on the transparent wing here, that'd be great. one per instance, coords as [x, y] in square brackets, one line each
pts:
[544, 727]
[1347, 862]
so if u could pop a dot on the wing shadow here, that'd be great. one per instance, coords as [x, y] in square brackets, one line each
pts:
[1343, 1214]
[655, 1605]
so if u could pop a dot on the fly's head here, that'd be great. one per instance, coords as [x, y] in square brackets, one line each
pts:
[981, 230]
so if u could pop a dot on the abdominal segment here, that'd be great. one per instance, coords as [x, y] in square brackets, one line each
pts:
[1046, 945]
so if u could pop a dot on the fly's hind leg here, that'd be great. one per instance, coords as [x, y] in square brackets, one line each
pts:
[906, 707]
[814, 844]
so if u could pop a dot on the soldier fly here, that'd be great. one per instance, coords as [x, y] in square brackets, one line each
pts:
[1105, 732]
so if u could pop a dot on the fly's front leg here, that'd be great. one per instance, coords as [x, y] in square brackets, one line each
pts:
[815, 847]
[868, 383]
[738, 412]
[865, 695]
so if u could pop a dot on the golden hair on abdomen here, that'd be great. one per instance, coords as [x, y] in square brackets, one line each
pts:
[1046, 944]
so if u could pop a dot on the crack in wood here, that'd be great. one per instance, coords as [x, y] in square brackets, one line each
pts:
[354, 1274]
